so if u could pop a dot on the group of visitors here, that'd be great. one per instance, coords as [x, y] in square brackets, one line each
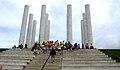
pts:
[55, 47]
[58, 46]
[20, 46]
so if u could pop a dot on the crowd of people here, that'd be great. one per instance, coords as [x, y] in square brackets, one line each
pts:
[55, 47]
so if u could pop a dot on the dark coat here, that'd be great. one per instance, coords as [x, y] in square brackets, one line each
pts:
[52, 52]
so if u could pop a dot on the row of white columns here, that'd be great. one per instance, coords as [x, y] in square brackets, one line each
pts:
[86, 28]
[27, 33]
[44, 31]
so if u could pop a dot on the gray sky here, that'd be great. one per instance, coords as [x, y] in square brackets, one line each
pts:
[105, 18]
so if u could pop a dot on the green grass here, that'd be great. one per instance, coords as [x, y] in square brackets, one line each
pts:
[114, 53]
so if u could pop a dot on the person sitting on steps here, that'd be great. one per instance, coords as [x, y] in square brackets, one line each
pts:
[91, 46]
[87, 46]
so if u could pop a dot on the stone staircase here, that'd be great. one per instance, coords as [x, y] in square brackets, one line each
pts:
[54, 65]
[15, 59]
[82, 59]
[87, 59]
[39, 61]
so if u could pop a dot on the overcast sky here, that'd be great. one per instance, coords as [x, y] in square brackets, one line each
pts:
[105, 18]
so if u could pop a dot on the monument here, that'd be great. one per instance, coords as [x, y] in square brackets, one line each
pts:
[42, 24]
[69, 23]
[46, 27]
[86, 26]
[82, 59]
[33, 32]
[44, 30]
[23, 26]
[29, 30]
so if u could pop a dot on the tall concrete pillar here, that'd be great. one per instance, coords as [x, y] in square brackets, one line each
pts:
[69, 23]
[23, 26]
[82, 32]
[46, 27]
[85, 29]
[33, 32]
[48, 31]
[29, 31]
[42, 23]
[88, 22]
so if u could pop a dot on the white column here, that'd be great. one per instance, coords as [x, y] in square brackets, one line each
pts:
[88, 22]
[46, 27]
[48, 31]
[82, 32]
[85, 29]
[42, 23]
[33, 32]
[69, 23]
[29, 31]
[23, 26]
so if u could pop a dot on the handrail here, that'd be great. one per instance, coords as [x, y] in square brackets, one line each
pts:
[45, 62]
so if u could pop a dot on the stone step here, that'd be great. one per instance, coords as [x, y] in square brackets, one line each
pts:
[85, 50]
[87, 59]
[83, 54]
[74, 64]
[14, 62]
[28, 58]
[13, 67]
[82, 51]
[11, 56]
[102, 56]
[21, 64]
[17, 52]
[91, 68]
[16, 58]
[35, 65]
[22, 55]
[8, 60]
[102, 61]
[14, 49]
[52, 68]
[32, 69]
[37, 62]
[89, 64]
[31, 66]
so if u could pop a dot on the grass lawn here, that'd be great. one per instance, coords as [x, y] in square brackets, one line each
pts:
[114, 53]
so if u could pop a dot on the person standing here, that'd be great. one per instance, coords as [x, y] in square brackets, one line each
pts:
[52, 54]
